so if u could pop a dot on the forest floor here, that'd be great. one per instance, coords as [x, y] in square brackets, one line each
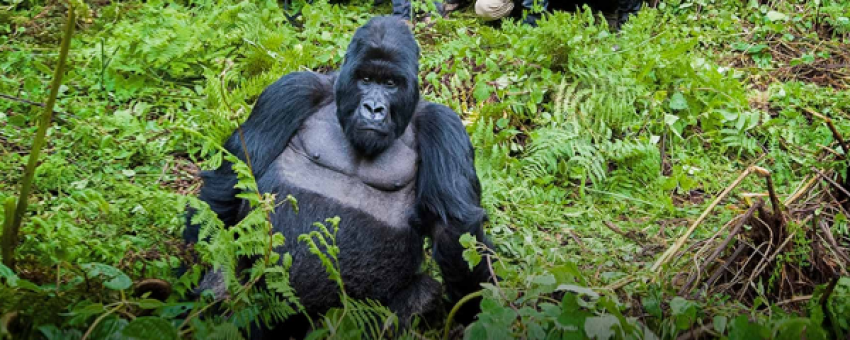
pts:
[684, 177]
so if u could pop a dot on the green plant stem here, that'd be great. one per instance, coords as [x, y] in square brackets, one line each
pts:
[99, 319]
[457, 308]
[10, 234]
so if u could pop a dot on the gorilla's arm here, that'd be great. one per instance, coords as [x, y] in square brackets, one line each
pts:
[279, 112]
[448, 196]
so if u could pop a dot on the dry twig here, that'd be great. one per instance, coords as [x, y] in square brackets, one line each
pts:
[668, 255]
[742, 220]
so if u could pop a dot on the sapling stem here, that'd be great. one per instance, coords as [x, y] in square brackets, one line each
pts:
[10, 233]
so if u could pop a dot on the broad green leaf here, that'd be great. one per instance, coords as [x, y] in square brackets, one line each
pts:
[109, 329]
[9, 275]
[88, 309]
[798, 328]
[720, 322]
[112, 277]
[472, 257]
[579, 290]
[678, 101]
[475, 332]
[684, 311]
[482, 92]
[150, 304]
[743, 329]
[653, 306]
[544, 280]
[601, 327]
[174, 310]
[775, 16]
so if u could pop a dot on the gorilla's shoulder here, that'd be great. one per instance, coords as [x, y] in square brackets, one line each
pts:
[430, 113]
[303, 87]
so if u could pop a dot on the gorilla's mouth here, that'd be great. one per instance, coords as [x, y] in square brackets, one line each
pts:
[374, 129]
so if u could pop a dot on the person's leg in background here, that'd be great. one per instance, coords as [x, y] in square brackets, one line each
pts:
[402, 10]
[627, 8]
[533, 15]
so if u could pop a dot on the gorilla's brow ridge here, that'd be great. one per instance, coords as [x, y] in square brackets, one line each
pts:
[380, 70]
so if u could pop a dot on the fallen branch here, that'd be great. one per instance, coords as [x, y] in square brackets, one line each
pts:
[621, 283]
[831, 181]
[719, 250]
[29, 102]
[828, 121]
[20, 100]
[668, 255]
[831, 240]
[794, 299]
[738, 251]
[760, 268]
[577, 240]
[622, 233]
[802, 190]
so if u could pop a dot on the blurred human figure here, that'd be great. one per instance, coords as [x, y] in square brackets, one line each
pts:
[617, 12]
[402, 10]
[498, 9]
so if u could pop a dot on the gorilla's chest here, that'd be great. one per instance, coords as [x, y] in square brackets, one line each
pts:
[319, 159]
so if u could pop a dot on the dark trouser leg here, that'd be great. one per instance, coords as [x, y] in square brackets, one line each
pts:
[627, 8]
[532, 16]
[401, 9]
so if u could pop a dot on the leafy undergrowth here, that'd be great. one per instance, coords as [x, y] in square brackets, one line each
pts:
[597, 151]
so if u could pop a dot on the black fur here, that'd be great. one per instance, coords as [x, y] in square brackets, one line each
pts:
[276, 116]
[448, 199]
[383, 49]
[447, 190]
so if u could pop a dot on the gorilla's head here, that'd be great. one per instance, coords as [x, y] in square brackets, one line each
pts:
[378, 88]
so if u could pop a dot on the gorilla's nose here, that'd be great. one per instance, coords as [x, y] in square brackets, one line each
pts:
[373, 110]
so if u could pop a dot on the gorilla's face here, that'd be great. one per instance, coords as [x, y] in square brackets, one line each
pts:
[377, 89]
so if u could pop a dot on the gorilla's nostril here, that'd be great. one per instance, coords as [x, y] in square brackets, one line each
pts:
[373, 110]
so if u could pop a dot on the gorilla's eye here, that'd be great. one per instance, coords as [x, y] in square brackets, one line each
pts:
[366, 80]
[391, 83]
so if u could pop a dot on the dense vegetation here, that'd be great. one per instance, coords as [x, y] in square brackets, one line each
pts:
[597, 151]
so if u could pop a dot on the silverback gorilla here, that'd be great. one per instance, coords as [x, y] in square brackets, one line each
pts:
[360, 145]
